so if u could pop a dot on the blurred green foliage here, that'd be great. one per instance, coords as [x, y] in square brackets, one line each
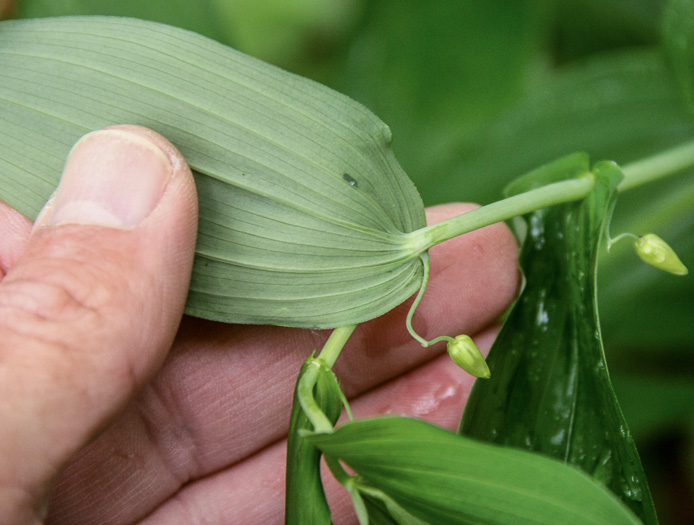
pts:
[477, 93]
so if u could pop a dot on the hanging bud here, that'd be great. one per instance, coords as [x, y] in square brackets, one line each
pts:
[467, 356]
[656, 252]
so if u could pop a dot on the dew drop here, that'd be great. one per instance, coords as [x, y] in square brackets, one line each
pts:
[632, 489]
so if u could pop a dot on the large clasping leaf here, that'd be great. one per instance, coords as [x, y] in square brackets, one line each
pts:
[550, 391]
[303, 206]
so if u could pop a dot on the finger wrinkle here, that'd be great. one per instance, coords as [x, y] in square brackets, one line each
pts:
[169, 433]
[114, 480]
[76, 260]
[179, 510]
[250, 492]
[30, 305]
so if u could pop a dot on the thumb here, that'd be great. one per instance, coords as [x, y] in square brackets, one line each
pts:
[91, 307]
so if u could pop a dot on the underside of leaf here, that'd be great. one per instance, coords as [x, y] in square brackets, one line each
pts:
[302, 203]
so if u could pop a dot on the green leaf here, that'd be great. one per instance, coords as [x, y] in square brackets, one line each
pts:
[303, 207]
[565, 168]
[201, 16]
[621, 106]
[549, 390]
[588, 26]
[286, 33]
[678, 40]
[436, 70]
[378, 512]
[384, 511]
[441, 477]
[305, 499]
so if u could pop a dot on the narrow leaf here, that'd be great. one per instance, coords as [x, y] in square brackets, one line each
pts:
[441, 477]
[384, 511]
[549, 390]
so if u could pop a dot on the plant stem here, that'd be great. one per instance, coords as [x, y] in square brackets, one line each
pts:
[307, 381]
[304, 391]
[637, 173]
[556, 193]
[668, 162]
[425, 281]
[333, 346]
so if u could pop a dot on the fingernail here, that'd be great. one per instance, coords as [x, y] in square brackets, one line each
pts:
[112, 178]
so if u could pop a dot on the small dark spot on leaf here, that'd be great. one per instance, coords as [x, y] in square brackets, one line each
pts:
[350, 180]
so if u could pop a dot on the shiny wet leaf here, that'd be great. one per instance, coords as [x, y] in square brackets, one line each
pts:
[550, 391]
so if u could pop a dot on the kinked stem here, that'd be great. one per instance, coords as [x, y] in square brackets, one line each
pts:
[307, 381]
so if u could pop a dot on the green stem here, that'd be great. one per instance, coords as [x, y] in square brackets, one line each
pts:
[331, 350]
[335, 343]
[304, 390]
[637, 173]
[668, 162]
[425, 281]
[612, 240]
[556, 193]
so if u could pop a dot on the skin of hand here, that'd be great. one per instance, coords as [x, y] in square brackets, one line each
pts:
[114, 413]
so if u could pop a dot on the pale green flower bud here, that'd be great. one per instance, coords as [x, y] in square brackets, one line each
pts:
[467, 356]
[656, 252]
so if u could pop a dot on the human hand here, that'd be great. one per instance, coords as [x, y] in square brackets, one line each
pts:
[90, 301]
[203, 441]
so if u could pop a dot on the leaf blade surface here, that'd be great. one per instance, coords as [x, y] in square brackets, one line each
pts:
[549, 390]
[441, 477]
[294, 179]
